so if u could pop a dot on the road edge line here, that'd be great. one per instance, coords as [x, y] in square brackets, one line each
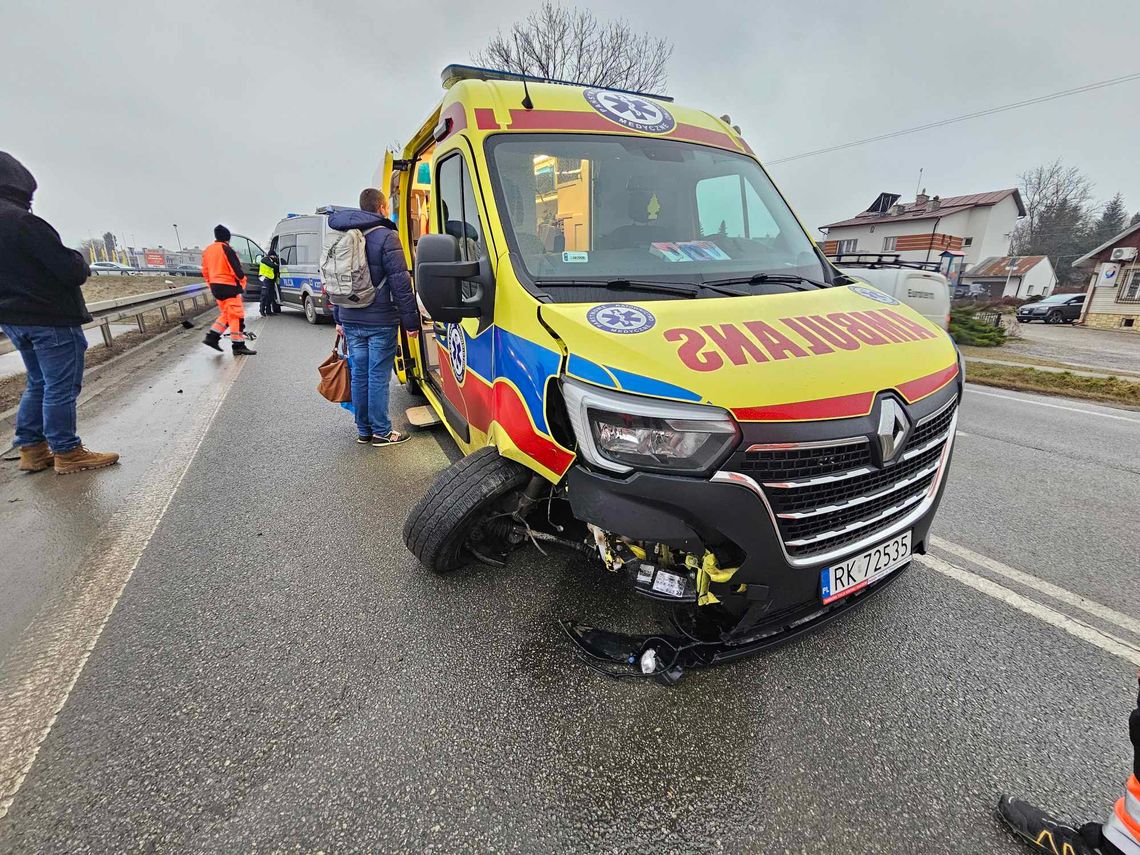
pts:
[8, 797]
[1058, 593]
[1058, 620]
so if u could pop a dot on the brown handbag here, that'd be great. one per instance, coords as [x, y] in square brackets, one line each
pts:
[336, 383]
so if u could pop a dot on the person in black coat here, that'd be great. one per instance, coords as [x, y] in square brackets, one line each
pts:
[270, 297]
[42, 312]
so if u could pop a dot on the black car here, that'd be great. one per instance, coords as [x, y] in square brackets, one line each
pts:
[1055, 309]
[186, 270]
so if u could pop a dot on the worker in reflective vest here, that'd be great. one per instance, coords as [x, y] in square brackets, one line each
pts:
[270, 276]
[222, 271]
[1119, 835]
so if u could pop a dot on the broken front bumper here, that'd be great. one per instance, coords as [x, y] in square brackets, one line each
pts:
[792, 500]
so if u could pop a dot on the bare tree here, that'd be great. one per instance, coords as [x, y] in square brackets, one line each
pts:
[1048, 188]
[560, 43]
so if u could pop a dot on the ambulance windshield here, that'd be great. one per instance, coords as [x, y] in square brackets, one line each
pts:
[590, 207]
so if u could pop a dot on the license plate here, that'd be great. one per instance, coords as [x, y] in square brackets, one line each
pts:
[857, 573]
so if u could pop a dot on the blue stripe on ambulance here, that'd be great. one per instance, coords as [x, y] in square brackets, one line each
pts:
[648, 386]
[589, 371]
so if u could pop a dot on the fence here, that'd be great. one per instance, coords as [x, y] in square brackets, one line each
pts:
[106, 312]
[992, 319]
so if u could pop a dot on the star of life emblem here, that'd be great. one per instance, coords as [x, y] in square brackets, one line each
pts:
[457, 352]
[621, 318]
[635, 112]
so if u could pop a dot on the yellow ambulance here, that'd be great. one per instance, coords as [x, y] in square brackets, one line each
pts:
[645, 358]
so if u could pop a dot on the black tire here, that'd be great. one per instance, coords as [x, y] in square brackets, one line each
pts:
[310, 310]
[438, 526]
[1053, 318]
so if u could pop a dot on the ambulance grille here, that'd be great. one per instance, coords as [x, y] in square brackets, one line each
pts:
[828, 496]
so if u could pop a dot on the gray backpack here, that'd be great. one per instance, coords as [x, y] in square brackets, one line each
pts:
[347, 279]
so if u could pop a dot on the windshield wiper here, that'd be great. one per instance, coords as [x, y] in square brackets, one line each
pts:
[789, 279]
[684, 288]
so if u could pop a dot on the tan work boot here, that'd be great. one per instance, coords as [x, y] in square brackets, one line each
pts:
[35, 458]
[80, 459]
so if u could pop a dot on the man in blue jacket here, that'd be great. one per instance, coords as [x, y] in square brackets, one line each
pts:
[371, 331]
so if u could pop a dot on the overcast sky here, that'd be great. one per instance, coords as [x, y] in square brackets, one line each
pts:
[137, 115]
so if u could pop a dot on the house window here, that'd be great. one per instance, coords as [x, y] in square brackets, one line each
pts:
[889, 244]
[847, 246]
[967, 242]
[1130, 293]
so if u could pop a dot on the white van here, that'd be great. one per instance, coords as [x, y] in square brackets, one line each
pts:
[925, 291]
[299, 240]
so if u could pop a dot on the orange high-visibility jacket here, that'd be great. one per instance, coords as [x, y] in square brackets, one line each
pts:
[222, 270]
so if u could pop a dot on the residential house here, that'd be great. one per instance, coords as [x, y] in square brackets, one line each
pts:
[1113, 300]
[1010, 276]
[958, 229]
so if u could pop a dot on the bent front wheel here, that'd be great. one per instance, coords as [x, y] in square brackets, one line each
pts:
[467, 494]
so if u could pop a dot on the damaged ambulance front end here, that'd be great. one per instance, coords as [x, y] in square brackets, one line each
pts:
[770, 511]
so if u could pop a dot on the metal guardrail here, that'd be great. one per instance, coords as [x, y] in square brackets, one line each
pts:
[148, 271]
[106, 312]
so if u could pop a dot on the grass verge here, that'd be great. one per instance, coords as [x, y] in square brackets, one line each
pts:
[99, 288]
[1107, 389]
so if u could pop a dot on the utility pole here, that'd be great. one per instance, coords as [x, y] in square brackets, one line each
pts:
[1010, 265]
[177, 238]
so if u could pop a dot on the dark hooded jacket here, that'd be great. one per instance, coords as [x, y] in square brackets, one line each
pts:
[40, 278]
[394, 303]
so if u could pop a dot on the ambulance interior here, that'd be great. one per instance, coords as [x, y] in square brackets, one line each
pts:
[604, 207]
[411, 196]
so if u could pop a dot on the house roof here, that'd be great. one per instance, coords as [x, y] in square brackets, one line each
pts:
[950, 205]
[1106, 245]
[997, 267]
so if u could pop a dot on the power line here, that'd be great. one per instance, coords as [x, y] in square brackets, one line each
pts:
[942, 122]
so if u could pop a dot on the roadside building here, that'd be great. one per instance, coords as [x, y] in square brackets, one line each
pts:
[1009, 276]
[955, 230]
[1113, 300]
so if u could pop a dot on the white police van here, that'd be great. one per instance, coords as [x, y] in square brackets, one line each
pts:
[299, 241]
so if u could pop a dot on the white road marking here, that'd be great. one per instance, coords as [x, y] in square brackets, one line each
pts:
[45, 664]
[1052, 406]
[1098, 638]
[1058, 593]
[958, 433]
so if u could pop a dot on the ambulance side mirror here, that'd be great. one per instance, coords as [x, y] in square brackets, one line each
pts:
[440, 277]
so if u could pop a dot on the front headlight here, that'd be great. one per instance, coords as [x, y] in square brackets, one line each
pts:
[623, 432]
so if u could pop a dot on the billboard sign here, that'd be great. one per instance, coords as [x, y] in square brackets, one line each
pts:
[1108, 276]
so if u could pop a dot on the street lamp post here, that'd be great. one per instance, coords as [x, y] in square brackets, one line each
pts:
[177, 238]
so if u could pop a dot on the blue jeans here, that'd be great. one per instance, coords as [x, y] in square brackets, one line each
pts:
[53, 357]
[373, 350]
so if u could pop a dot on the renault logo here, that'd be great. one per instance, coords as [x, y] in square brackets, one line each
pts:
[894, 428]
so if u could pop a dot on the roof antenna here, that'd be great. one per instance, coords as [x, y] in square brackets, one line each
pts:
[526, 102]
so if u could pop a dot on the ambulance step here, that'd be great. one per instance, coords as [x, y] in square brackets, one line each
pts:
[422, 417]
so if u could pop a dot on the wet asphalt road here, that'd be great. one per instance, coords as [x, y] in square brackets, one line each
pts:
[280, 675]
